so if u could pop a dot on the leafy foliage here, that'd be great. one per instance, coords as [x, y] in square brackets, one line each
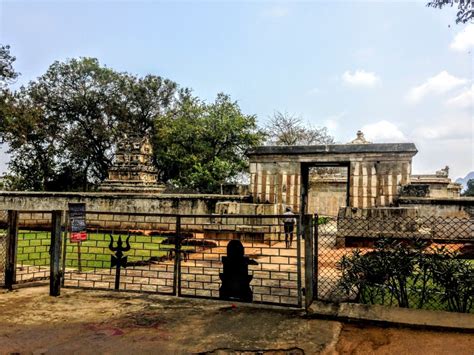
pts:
[470, 188]
[7, 76]
[287, 129]
[7, 72]
[411, 276]
[465, 8]
[455, 279]
[200, 145]
[63, 127]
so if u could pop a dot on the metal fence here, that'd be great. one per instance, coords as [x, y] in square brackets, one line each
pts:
[3, 246]
[184, 255]
[32, 247]
[410, 262]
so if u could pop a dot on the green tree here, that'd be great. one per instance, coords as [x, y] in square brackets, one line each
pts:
[7, 72]
[470, 188]
[7, 76]
[62, 128]
[465, 8]
[287, 129]
[200, 146]
[141, 100]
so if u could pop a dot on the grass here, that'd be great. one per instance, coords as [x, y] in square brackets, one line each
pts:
[33, 249]
[433, 297]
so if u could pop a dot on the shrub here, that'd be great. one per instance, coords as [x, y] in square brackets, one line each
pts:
[411, 275]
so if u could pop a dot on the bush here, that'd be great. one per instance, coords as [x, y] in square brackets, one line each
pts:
[409, 276]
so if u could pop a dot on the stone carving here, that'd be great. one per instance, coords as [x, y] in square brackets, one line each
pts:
[360, 139]
[443, 172]
[419, 190]
[133, 169]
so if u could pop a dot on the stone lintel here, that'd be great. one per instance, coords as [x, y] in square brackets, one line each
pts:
[409, 148]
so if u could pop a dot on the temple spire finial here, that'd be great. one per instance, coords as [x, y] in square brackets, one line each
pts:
[360, 139]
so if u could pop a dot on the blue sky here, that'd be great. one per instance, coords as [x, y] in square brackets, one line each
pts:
[397, 70]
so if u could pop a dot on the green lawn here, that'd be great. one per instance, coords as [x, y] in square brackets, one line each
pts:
[33, 249]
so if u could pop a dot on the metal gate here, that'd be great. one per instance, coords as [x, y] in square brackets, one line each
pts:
[268, 269]
[25, 241]
[183, 255]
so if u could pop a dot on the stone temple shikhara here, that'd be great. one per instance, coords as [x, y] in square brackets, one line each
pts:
[133, 169]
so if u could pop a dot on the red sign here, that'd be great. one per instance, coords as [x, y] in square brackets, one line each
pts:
[77, 222]
[78, 237]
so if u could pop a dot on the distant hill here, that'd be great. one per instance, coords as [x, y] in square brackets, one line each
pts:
[463, 181]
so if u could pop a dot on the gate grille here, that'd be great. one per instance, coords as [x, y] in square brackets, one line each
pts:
[274, 268]
[182, 254]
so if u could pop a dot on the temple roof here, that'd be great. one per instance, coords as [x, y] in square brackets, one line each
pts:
[335, 149]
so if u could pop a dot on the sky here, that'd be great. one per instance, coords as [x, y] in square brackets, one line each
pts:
[397, 70]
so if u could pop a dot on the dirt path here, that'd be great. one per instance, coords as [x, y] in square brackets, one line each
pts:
[357, 339]
[108, 322]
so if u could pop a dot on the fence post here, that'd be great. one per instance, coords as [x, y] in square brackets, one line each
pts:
[316, 256]
[308, 259]
[12, 240]
[55, 254]
[177, 258]
[64, 247]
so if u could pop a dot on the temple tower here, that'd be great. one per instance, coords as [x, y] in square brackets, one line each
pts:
[133, 170]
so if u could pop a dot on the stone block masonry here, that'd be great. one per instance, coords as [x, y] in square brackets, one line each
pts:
[375, 171]
[110, 202]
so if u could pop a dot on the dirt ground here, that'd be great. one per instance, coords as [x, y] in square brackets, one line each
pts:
[82, 321]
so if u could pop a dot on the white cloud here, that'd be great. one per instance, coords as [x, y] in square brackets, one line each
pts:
[438, 84]
[445, 129]
[443, 140]
[464, 39]
[383, 131]
[360, 78]
[464, 99]
[332, 122]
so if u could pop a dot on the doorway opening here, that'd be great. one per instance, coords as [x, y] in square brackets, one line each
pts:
[325, 188]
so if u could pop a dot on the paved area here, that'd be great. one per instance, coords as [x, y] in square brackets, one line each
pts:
[82, 321]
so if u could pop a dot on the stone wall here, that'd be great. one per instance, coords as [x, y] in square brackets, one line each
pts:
[110, 202]
[462, 207]
[327, 195]
[375, 171]
[439, 186]
[115, 202]
[361, 227]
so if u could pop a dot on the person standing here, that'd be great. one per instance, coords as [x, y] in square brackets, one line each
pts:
[289, 225]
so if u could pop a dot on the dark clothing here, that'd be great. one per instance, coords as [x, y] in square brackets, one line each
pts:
[289, 227]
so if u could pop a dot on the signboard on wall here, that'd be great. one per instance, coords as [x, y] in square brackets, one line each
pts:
[77, 222]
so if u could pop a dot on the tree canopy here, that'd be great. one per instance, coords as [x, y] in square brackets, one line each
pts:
[288, 129]
[465, 8]
[200, 145]
[470, 188]
[7, 76]
[62, 128]
[7, 72]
